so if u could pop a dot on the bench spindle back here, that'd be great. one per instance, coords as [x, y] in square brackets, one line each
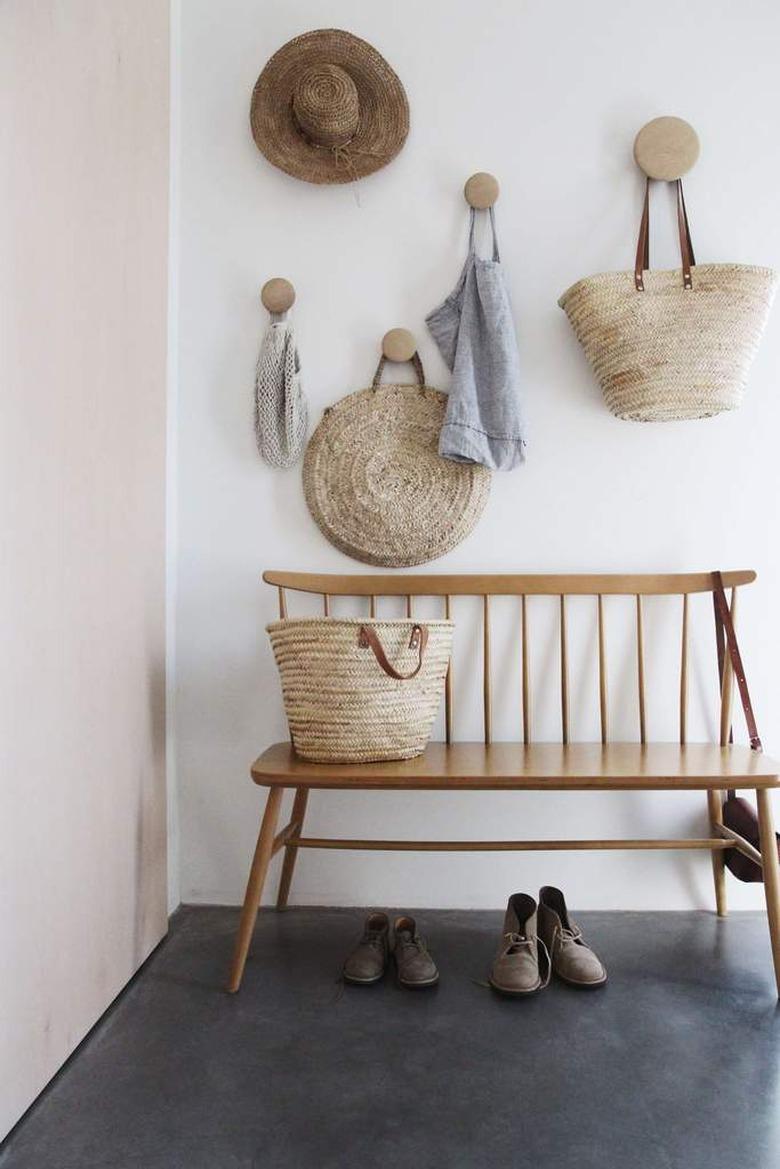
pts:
[374, 587]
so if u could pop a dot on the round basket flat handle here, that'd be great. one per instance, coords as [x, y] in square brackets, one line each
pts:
[418, 369]
[367, 639]
[642, 262]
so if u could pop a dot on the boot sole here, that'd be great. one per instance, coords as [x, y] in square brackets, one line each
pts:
[363, 981]
[416, 985]
[583, 985]
[515, 994]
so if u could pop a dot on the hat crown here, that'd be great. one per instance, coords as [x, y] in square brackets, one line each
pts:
[326, 105]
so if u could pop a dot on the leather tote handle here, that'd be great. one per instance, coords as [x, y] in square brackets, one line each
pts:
[418, 369]
[642, 262]
[724, 630]
[367, 639]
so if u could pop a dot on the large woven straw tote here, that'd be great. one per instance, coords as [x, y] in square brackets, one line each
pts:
[675, 344]
[360, 691]
[374, 480]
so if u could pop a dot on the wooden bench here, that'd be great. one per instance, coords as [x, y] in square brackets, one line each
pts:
[527, 765]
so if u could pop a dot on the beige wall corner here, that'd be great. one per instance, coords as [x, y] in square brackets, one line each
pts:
[83, 306]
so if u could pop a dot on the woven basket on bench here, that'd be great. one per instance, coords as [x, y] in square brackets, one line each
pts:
[359, 691]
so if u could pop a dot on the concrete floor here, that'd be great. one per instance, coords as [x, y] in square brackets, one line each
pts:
[674, 1064]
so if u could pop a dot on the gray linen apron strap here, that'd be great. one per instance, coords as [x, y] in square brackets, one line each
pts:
[475, 333]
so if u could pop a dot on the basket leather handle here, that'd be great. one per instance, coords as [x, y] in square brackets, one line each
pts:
[367, 639]
[642, 262]
[418, 369]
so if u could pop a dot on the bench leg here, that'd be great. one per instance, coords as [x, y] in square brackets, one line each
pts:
[715, 805]
[768, 840]
[291, 850]
[254, 887]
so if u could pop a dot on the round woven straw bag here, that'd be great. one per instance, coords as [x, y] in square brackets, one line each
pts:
[375, 483]
[671, 345]
[360, 691]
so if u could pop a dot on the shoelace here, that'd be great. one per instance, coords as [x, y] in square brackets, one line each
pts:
[406, 939]
[373, 939]
[515, 941]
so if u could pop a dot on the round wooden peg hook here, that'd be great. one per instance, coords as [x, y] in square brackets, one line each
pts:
[277, 295]
[481, 190]
[666, 148]
[399, 345]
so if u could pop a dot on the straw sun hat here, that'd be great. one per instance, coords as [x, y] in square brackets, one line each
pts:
[328, 108]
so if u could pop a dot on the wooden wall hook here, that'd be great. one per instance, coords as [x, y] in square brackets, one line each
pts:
[666, 148]
[277, 295]
[481, 190]
[399, 345]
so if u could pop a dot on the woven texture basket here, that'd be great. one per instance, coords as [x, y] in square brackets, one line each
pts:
[673, 344]
[342, 705]
[376, 485]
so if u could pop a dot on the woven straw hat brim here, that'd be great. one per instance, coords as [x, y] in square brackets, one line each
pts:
[384, 109]
[375, 483]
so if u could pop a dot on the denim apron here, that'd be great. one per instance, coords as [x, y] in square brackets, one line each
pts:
[475, 333]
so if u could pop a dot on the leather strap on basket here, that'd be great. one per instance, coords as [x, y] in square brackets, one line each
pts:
[727, 639]
[642, 262]
[367, 639]
[418, 369]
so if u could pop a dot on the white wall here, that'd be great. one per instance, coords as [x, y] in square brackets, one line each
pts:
[172, 457]
[83, 239]
[549, 97]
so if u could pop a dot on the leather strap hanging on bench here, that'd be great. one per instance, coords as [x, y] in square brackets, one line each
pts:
[738, 814]
[724, 632]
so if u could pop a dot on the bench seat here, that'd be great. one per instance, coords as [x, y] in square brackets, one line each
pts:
[535, 767]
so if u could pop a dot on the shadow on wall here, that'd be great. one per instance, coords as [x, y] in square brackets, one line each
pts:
[150, 834]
